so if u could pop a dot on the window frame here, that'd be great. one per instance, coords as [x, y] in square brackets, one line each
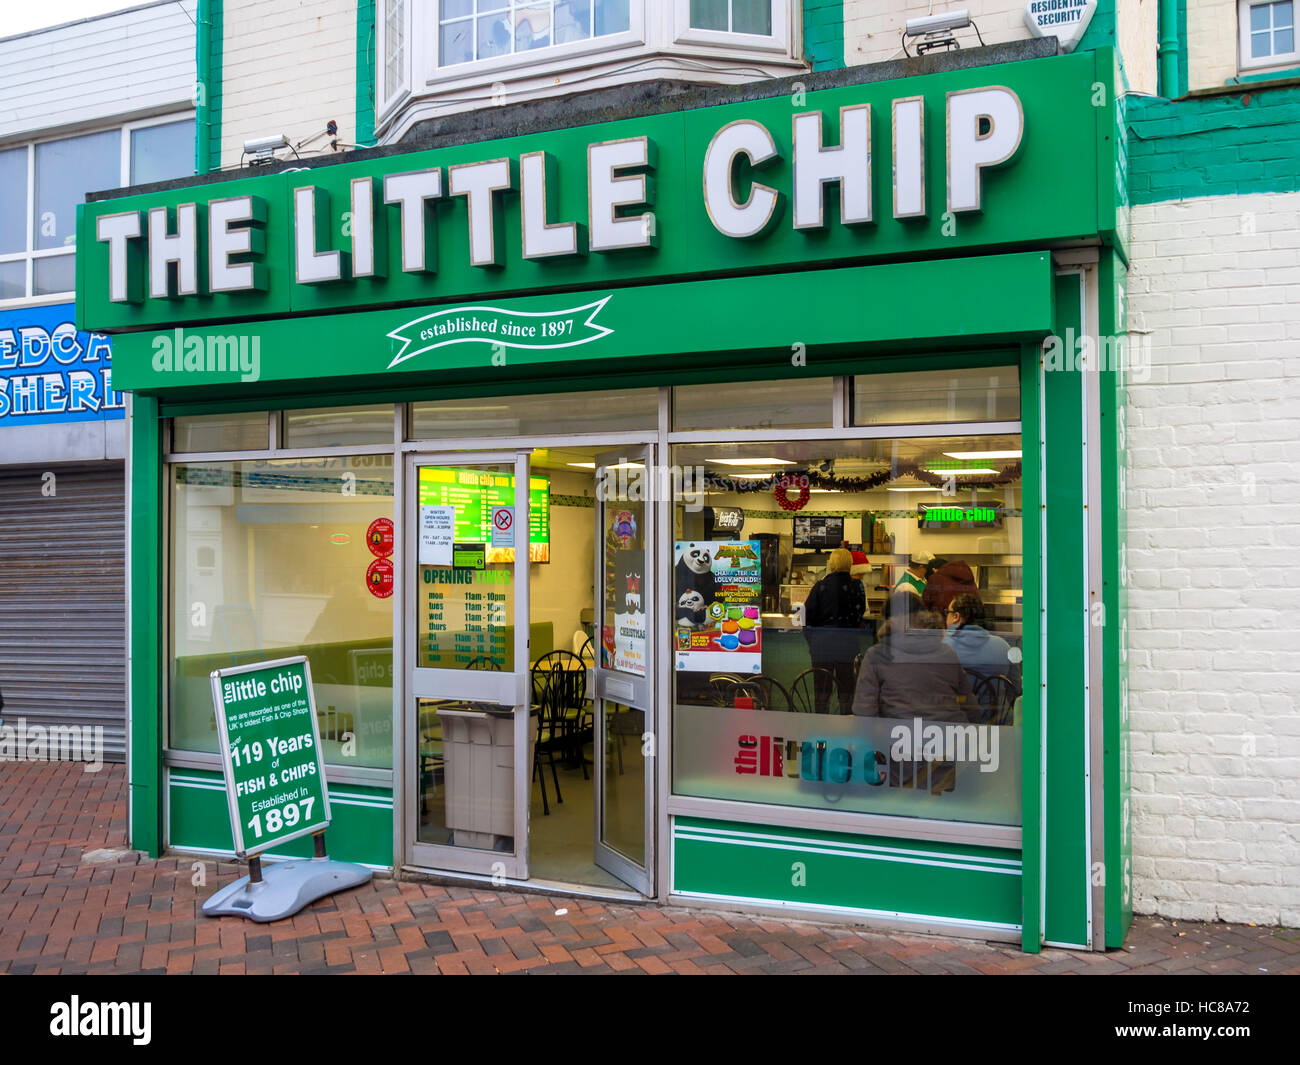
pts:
[1245, 62]
[777, 42]
[30, 254]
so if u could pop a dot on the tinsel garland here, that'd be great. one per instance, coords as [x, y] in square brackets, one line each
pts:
[818, 479]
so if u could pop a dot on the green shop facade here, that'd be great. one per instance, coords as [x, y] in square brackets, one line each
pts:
[354, 385]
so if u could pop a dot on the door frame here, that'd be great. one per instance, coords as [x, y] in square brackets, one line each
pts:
[503, 688]
[605, 856]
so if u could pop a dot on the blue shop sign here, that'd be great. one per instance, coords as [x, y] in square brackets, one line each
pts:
[50, 372]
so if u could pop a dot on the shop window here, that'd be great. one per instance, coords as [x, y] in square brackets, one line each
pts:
[271, 559]
[1267, 33]
[339, 426]
[788, 404]
[562, 414]
[935, 396]
[221, 432]
[847, 626]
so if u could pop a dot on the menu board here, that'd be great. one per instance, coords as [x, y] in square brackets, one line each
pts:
[474, 494]
[813, 530]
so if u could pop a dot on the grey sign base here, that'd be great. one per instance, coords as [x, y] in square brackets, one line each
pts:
[285, 889]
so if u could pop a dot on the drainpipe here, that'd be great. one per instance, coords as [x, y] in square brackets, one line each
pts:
[1169, 49]
[202, 87]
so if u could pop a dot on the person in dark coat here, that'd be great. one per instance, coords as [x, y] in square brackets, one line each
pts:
[946, 583]
[911, 672]
[832, 616]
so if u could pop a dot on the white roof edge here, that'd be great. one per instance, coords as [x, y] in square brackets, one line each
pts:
[98, 18]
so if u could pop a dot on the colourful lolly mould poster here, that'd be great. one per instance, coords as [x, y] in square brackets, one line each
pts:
[718, 593]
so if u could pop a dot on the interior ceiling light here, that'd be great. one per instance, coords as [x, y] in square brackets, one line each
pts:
[753, 462]
[963, 473]
[965, 455]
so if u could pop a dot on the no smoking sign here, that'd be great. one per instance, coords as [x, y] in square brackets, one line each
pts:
[503, 526]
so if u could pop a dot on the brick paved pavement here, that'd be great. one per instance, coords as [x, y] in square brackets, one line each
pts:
[73, 900]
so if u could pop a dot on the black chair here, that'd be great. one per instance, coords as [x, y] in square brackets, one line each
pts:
[720, 691]
[772, 693]
[484, 662]
[564, 720]
[995, 695]
[803, 691]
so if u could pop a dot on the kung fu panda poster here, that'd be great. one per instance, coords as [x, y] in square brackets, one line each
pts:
[717, 592]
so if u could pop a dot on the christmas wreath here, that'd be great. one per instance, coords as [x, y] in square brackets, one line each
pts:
[782, 491]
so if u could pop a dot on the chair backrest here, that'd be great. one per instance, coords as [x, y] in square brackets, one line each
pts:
[721, 687]
[559, 681]
[586, 651]
[803, 691]
[484, 662]
[996, 694]
[775, 695]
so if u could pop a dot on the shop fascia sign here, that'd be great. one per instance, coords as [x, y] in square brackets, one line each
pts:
[940, 164]
[983, 128]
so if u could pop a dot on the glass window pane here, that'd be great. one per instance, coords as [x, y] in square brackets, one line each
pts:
[160, 153]
[786, 404]
[877, 601]
[1259, 45]
[456, 8]
[1283, 15]
[588, 412]
[968, 395]
[709, 15]
[611, 16]
[13, 280]
[13, 194]
[1259, 16]
[221, 432]
[339, 426]
[456, 44]
[492, 5]
[279, 559]
[54, 274]
[1283, 42]
[532, 28]
[752, 16]
[65, 171]
[572, 21]
[494, 36]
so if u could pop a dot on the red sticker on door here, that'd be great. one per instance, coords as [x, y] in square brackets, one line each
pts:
[379, 537]
[379, 578]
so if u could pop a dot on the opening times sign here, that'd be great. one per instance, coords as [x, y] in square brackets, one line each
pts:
[271, 753]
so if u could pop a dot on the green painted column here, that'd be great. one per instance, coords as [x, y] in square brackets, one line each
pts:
[145, 609]
[208, 43]
[1031, 623]
[366, 89]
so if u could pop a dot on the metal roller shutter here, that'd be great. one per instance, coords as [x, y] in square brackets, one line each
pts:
[63, 600]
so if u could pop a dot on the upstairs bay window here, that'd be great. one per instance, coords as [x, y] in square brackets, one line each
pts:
[439, 58]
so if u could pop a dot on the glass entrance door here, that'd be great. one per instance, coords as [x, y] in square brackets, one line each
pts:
[467, 654]
[624, 665]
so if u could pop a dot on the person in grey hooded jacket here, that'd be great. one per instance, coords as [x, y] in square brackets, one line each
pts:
[911, 672]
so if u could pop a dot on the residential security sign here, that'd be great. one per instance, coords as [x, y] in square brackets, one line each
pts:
[271, 753]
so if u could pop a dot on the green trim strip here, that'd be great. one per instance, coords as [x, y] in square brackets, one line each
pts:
[1031, 623]
[823, 33]
[365, 73]
[146, 608]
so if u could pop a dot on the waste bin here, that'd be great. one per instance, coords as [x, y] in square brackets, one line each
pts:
[479, 753]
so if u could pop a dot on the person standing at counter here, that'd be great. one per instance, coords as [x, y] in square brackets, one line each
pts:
[913, 579]
[832, 617]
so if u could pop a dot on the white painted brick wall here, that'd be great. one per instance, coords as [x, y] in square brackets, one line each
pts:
[1212, 42]
[289, 66]
[1214, 551]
